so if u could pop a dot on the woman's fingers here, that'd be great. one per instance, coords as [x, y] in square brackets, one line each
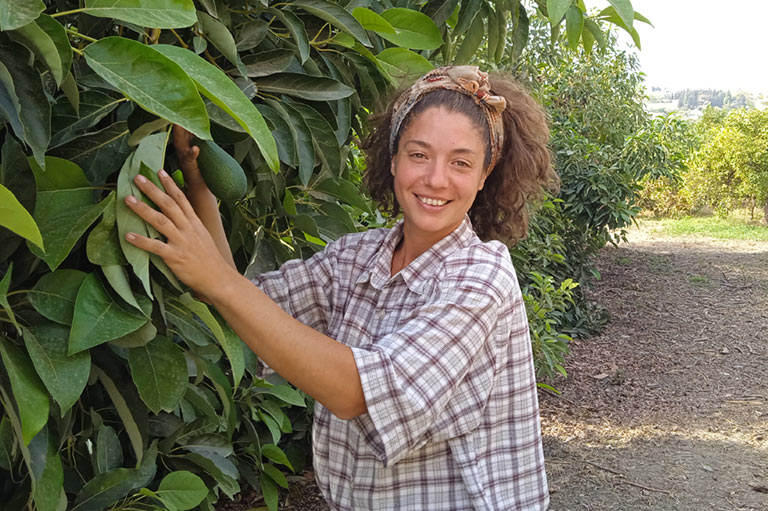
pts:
[160, 221]
[152, 246]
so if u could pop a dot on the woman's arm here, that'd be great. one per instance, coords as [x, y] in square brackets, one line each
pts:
[200, 197]
[320, 366]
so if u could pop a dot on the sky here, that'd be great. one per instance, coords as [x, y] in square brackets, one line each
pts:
[700, 44]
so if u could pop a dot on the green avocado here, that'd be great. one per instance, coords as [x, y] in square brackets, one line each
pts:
[221, 172]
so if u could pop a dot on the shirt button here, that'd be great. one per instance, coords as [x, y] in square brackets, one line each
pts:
[381, 313]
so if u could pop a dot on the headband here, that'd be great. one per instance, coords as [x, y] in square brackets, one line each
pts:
[468, 80]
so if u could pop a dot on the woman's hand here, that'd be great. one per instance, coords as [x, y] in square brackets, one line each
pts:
[187, 155]
[189, 249]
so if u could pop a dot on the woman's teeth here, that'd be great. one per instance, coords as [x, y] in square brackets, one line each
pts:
[432, 202]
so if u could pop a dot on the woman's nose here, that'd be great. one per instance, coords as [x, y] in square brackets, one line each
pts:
[437, 175]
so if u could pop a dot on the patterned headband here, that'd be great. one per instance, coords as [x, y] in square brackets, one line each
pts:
[468, 80]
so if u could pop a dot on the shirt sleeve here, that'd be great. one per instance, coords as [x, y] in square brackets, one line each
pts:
[410, 376]
[303, 288]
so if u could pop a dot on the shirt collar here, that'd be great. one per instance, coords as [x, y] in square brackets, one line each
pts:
[419, 271]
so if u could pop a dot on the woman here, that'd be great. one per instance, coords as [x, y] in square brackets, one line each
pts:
[412, 340]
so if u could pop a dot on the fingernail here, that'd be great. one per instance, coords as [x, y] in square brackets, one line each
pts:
[131, 199]
[141, 179]
[130, 236]
[163, 173]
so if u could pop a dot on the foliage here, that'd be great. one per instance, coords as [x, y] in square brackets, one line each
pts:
[677, 139]
[730, 168]
[604, 143]
[690, 99]
[118, 388]
[546, 306]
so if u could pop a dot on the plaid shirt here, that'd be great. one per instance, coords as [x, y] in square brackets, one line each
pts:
[444, 357]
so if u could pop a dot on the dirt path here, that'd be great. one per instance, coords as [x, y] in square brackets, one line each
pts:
[667, 409]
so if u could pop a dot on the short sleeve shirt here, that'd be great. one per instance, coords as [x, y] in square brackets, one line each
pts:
[444, 357]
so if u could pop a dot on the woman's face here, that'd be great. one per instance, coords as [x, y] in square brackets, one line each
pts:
[438, 170]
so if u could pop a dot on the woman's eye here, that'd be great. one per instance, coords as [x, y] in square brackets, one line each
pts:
[418, 155]
[462, 163]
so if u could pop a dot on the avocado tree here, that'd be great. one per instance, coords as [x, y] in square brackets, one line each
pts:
[117, 387]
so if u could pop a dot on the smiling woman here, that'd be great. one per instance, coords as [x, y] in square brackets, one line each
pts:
[412, 340]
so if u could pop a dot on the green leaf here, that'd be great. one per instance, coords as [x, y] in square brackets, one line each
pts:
[108, 451]
[223, 471]
[274, 473]
[68, 123]
[54, 294]
[106, 489]
[471, 42]
[128, 221]
[159, 371]
[58, 174]
[469, 10]
[594, 29]
[7, 444]
[302, 138]
[5, 283]
[344, 190]
[13, 216]
[63, 216]
[28, 390]
[440, 11]
[138, 338]
[556, 9]
[624, 10]
[103, 245]
[181, 490]
[275, 454]
[404, 63]
[228, 340]
[222, 39]
[251, 34]
[34, 110]
[41, 43]
[282, 134]
[284, 392]
[413, 29]
[370, 20]
[269, 492]
[336, 16]
[574, 24]
[15, 14]
[9, 101]
[100, 153]
[49, 475]
[152, 80]
[117, 276]
[125, 413]
[296, 27]
[313, 88]
[323, 137]
[268, 62]
[145, 13]
[70, 90]
[64, 375]
[223, 92]
[98, 318]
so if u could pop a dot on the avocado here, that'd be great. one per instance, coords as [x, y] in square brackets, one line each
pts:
[221, 172]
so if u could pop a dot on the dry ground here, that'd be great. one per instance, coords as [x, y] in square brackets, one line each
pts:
[666, 409]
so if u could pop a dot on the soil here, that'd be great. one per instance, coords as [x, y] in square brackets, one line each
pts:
[667, 408]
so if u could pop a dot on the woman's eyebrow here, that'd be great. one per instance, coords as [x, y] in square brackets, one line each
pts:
[426, 145]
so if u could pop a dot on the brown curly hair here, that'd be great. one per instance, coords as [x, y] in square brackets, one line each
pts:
[522, 173]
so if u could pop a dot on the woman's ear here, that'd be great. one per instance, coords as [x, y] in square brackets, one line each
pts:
[392, 166]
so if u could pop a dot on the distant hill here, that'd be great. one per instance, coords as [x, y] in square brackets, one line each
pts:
[691, 102]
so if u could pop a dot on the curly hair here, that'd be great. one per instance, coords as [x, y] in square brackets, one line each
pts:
[523, 171]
